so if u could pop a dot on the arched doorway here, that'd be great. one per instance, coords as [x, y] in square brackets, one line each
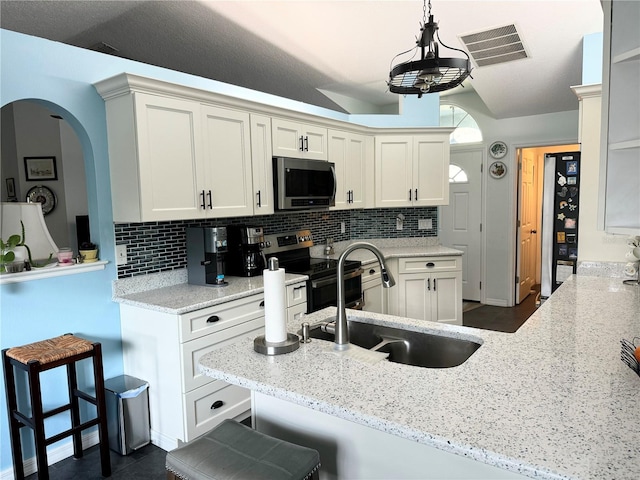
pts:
[41, 151]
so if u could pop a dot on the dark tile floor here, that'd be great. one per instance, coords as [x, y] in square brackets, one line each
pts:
[148, 462]
[501, 319]
[144, 464]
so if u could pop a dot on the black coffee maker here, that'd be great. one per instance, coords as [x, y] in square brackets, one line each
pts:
[245, 257]
[206, 255]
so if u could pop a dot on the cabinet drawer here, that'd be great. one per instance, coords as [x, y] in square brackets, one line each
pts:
[430, 264]
[193, 350]
[370, 272]
[214, 319]
[208, 406]
[296, 294]
[294, 313]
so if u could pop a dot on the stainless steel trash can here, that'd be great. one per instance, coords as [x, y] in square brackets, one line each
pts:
[127, 401]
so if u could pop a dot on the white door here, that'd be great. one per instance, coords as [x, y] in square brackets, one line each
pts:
[528, 220]
[460, 221]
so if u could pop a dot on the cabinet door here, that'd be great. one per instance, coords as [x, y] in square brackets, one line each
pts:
[446, 297]
[314, 143]
[359, 170]
[431, 170]
[227, 156]
[374, 297]
[169, 158]
[338, 150]
[394, 171]
[292, 139]
[414, 298]
[261, 165]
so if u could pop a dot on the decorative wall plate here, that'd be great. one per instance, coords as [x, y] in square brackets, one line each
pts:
[498, 170]
[498, 149]
[43, 195]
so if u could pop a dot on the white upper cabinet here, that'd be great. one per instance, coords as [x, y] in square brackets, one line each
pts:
[227, 158]
[298, 140]
[619, 211]
[261, 161]
[154, 158]
[352, 154]
[412, 170]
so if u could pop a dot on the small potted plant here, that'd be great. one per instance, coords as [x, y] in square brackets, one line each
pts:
[7, 254]
[89, 252]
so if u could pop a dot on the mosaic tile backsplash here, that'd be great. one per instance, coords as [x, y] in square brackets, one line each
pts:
[161, 246]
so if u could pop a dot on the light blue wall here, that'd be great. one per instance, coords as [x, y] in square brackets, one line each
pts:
[592, 46]
[61, 77]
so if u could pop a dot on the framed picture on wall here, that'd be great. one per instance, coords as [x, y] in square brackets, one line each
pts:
[40, 168]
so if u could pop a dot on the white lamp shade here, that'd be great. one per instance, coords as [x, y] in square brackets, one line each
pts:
[37, 236]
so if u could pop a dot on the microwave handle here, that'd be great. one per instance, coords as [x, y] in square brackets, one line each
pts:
[335, 180]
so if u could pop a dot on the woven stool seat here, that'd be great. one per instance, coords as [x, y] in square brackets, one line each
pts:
[50, 350]
[34, 358]
[233, 451]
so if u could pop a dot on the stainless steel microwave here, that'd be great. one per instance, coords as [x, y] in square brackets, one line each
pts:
[301, 184]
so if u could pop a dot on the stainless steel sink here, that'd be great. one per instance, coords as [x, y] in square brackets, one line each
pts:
[404, 346]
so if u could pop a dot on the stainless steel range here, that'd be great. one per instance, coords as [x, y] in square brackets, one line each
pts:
[292, 250]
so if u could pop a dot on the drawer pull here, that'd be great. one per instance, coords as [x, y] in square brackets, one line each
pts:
[298, 288]
[372, 271]
[213, 319]
[431, 265]
[262, 303]
[217, 404]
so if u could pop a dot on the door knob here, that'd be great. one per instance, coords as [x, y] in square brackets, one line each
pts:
[534, 231]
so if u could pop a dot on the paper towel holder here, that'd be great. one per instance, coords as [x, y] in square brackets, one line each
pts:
[291, 344]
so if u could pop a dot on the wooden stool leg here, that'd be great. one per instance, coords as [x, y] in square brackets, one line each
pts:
[37, 417]
[12, 406]
[101, 406]
[72, 381]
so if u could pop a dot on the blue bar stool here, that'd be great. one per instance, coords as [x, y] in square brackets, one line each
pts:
[41, 356]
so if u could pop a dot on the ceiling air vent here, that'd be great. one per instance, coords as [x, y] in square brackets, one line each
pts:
[498, 45]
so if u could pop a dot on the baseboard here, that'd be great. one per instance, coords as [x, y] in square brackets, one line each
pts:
[54, 455]
[162, 441]
[496, 302]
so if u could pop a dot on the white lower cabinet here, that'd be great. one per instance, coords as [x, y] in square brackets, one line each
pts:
[164, 349]
[374, 296]
[428, 288]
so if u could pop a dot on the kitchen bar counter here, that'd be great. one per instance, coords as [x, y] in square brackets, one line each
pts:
[183, 297]
[551, 401]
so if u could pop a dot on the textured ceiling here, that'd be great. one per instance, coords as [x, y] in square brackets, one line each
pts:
[332, 53]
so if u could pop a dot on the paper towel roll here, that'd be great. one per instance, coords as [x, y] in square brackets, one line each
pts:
[275, 314]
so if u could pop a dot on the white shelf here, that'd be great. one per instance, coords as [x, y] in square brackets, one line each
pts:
[625, 145]
[628, 56]
[51, 271]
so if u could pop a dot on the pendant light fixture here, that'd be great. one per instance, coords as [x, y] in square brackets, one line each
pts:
[431, 73]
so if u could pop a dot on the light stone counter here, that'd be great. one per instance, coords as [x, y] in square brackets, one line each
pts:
[183, 298]
[551, 401]
[390, 248]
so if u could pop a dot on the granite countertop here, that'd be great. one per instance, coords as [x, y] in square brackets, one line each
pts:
[551, 401]
[390, 248]
[170, 293]
[183, 298]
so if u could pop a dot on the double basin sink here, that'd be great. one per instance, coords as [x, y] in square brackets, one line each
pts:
[403, 346]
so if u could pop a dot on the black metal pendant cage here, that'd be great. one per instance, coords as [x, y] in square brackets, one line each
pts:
[431, 73]
[404, 77]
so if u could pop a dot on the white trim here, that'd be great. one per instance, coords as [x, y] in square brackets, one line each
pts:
[53, 271]
[54, 455]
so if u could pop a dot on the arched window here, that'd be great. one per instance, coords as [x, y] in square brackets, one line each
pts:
[467, 130]
[457, 174]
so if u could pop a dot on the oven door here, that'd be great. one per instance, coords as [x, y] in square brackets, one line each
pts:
[324, 291]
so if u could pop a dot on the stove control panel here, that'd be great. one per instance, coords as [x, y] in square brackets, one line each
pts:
[287, 241]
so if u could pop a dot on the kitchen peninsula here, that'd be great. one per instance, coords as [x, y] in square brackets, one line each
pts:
[552, 400]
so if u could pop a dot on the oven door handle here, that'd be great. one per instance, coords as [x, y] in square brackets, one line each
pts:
[333, 279]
